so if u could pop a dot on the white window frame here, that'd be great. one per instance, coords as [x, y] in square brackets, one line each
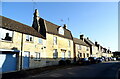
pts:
[40, 40]
[3, 34]
[79, 47]
[55, 40]
[55, 53]
[69, 43]
[79, 55]
[61, 31]
[26, 54]
[87, 48]
[69, 54]
[63, 54]
[38, 56]
[87, 54]
[28, 38]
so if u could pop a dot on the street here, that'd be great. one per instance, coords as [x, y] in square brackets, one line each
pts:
[105, 70]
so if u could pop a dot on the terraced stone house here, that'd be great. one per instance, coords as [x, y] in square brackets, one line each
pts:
[81, 49]
[21, 46]
[59, 40]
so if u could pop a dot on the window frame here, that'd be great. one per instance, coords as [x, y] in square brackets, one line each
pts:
[79, 47]
[28, 38]
[69, 43]
[79, 55]
[69, 54]
[9, 32]
[61, 31]
[37, 56]
[55, 53]
[39, 40]
[87, 54]
[87, 48]
[54, 40]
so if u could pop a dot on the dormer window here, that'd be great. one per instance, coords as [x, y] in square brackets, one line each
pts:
[61, 31]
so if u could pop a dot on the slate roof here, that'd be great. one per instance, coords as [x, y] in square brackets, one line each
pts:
[80, 42]
[53, 29]
[17, 26]
[89, 42]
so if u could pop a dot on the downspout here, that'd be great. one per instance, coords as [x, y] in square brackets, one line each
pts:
[74, 48]
[21, 52]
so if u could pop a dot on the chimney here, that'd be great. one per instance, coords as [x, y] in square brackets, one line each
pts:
[96, 43]
[36, 18]
[36, 14]
[82, 37]
[88, 38]
[65, 26]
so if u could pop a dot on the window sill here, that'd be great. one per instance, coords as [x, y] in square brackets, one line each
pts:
[37, 59]
[6, 41]
[40, 43]
[54, 58]
[29, 41]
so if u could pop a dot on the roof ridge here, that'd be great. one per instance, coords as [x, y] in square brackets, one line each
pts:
[16, 21]
[54, 24]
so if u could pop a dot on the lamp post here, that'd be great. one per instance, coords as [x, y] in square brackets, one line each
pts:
[108, 49]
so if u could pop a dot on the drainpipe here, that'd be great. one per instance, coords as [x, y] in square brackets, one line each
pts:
[74, 52]
[21, 52]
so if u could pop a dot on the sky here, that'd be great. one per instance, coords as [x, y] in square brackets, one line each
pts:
[96, 20]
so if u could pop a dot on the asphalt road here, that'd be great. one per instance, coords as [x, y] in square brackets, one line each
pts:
[106, 70]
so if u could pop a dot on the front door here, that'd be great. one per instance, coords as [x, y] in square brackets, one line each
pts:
[26, 58]
[63, 55]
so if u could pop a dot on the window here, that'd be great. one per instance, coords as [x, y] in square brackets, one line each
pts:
[61, 31]
[37, 56]
[6, 34]
[29, 38]
[26, 54]
[40, 41]
[79, 55]
[84, 55]
[79, 47]
[55, 53]
[69, 54]
[63, 55]
[68, 43]
[87, 55]
[87, 48]
[55, 40]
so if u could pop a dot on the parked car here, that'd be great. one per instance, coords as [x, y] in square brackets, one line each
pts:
[92, 60]
[99, 59]
[118, 58]
[83, 61]
[114, 59]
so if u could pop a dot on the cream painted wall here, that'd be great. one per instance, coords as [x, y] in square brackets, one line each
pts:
[62, 43]
[94, 51]
[82, 50]
[34, 46]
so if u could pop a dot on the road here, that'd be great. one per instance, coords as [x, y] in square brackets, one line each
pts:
[106, 70]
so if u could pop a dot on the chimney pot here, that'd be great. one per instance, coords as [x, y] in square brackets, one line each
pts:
[36, 13]
[96, 43]
[82, 37]
[88, 38]
[65, 26]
